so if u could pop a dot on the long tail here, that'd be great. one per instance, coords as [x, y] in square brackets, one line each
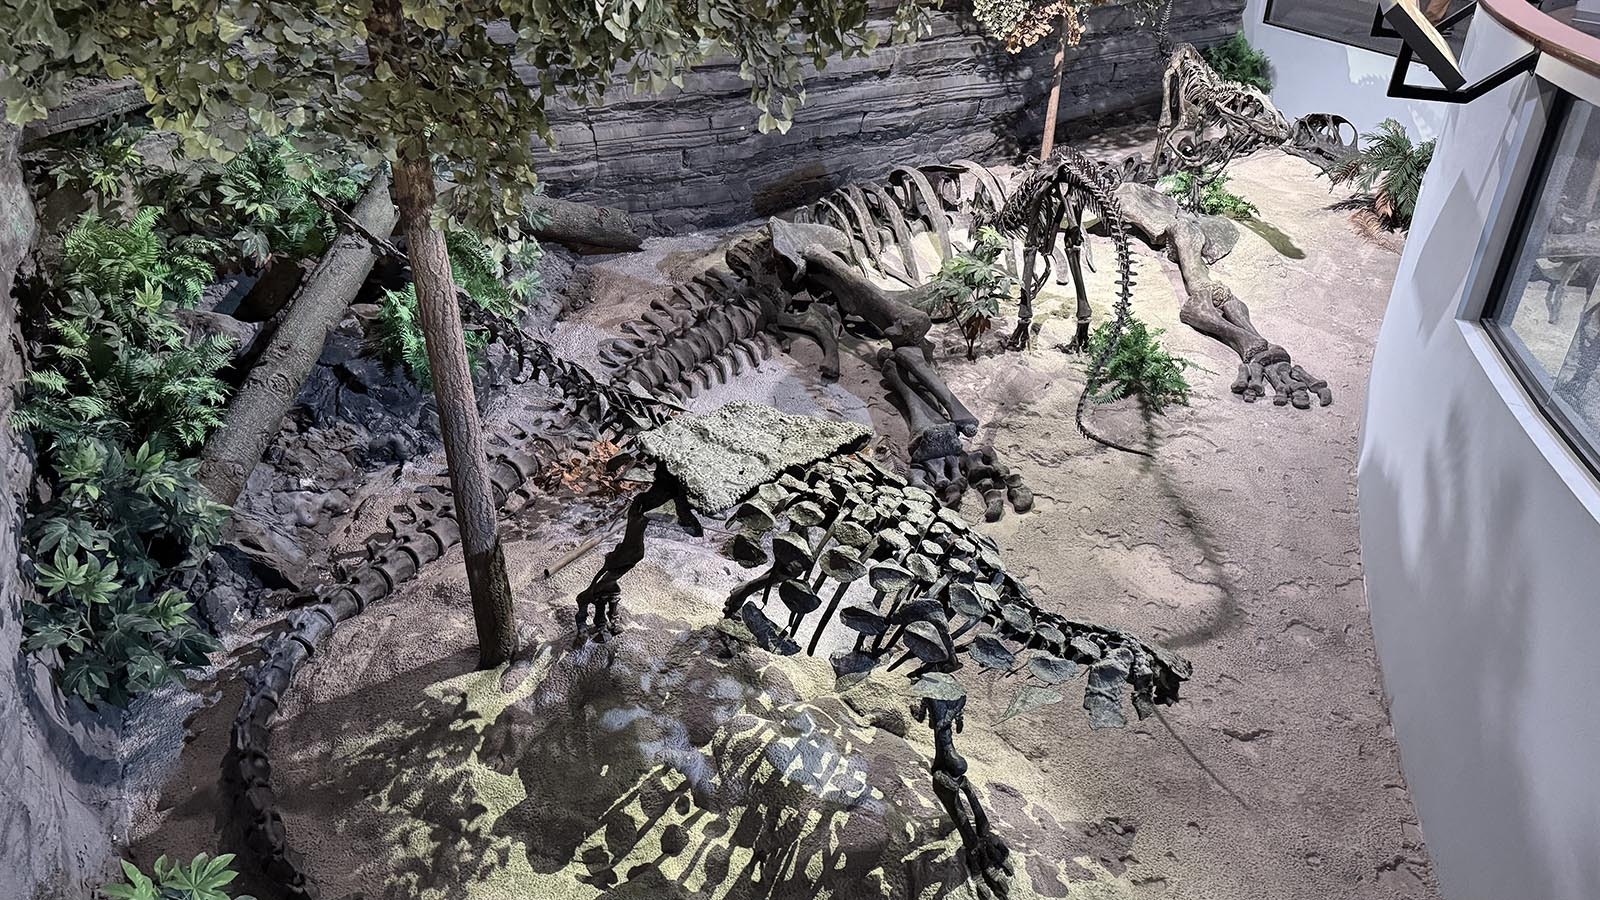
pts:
[1164, 44]
[1083, 176]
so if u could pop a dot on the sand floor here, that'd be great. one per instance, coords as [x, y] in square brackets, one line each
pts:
[687, 768]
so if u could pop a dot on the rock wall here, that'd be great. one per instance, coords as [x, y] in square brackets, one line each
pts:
[693, 156]
[60, 779]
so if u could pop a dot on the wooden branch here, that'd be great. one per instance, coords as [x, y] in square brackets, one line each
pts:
[257, 410]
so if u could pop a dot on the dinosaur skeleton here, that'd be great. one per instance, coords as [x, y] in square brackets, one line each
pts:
[1206, 122]
[1048, 203]
[795, 279]
[940, 601]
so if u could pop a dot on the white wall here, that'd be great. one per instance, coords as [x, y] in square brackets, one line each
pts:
[1481, 538]
[1312, 75]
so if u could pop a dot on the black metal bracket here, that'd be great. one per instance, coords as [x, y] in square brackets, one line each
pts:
[1399, 89]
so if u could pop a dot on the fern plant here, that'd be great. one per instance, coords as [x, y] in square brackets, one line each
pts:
[969, 287]
[1388, 170]
[262, 203]
[1139, 367]
[117, 524]
[203, 878]
[480, 269]
[120, 366]
[117, 392]
[1235, 60]
[1209, 196]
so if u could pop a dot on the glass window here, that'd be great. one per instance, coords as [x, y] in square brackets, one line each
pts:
[1350, 21]
[1547, 314]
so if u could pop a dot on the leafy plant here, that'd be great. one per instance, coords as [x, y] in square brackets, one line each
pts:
[261, 202]
[101, 166]
[1139, 367]
[118, 523]
[969, 287]
[1235, 60]
[1388, 169]
[268, 191]
[117, 392]
[1211, 197]
[476, 270]
[120, 366]
[203, 878]
[1023, 23]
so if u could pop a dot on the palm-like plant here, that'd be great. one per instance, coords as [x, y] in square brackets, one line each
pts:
[1388, 170]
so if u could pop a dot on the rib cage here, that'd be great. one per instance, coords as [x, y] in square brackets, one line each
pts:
[706, 331]
[882, 221]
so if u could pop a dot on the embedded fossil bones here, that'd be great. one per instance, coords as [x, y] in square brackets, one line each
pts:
[929, 593]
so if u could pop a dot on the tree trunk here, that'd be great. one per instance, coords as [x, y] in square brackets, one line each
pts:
[440, 315]
[256, 412]
[1054, 106]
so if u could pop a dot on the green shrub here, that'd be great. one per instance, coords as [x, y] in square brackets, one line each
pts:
[1213, 199]
[117, 524]
[116, 394]
[1388, 169]
[101, 166]
[1235, 60]
[261, 203]
[969, 287]
[204, 878]
[481, 272]
[1139, 367]
[266, 194]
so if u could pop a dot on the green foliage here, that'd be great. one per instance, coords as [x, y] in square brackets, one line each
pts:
[1022, 23]
[101, 166]
[116, 524]
[1235, 60]
[473, 263]
[203, 878]
[969, 287]
[1139, 367]
[1213, 198]
[447, 80]
[120, 366]
[116, 392]
[267, 191]
[1389, 168]
[260, 204]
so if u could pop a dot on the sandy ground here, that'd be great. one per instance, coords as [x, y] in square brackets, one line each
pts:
[689, 768]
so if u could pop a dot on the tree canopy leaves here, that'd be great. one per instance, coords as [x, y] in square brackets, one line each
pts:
[478, 75]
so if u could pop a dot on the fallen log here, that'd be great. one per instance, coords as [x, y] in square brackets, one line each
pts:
[87, 102]
[583, 227]
[257, 410]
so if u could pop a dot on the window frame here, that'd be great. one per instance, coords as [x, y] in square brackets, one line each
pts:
[1266, 19]
[1500, 334]
[1394, 43]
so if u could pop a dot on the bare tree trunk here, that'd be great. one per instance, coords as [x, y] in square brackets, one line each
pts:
[256, 412]
[1054, 106]
[459, 425]
[440, 314]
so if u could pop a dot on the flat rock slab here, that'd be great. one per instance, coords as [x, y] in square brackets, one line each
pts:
[724, 455]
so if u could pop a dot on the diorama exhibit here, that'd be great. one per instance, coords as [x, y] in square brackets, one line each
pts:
[853, 449]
